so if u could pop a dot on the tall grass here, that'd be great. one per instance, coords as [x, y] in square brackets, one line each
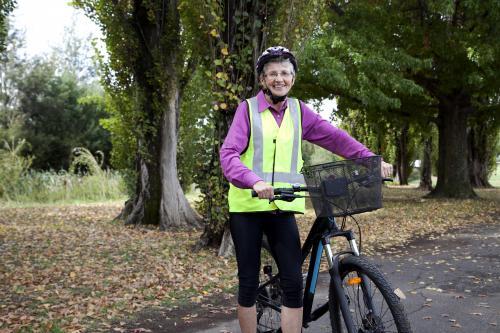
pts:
[495, 177]
[64, 187]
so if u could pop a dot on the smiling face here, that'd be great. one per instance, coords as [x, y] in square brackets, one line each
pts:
[278, 77]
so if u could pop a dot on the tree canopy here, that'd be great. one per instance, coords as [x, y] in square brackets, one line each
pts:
[6, 7]
[418, 60]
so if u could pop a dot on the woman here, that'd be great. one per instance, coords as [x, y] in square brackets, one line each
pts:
[261, 151]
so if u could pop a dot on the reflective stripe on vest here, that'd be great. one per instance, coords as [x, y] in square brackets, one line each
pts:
[292, 177]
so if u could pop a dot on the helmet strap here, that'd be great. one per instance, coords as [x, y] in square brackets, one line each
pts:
[275, 99]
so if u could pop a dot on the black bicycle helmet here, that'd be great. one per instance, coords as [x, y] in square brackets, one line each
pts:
[272, 53]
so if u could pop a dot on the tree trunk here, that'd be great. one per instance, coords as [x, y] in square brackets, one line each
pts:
[402, 155]
[175, 210]
[478, 155]
[226, 248]
[159, 199]
[426, 165]
[453, 172]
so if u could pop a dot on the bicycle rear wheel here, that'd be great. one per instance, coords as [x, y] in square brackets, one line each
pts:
[386, 313]
[269, 295]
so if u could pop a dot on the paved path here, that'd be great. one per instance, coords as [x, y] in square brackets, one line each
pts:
[452, 283]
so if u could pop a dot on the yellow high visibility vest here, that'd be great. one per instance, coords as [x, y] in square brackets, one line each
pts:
[269, 142]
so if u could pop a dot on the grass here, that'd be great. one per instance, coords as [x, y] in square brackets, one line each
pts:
[415, 178]
[495, 177]
[41, 188]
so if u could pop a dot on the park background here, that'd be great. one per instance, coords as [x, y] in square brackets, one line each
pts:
[111, 193]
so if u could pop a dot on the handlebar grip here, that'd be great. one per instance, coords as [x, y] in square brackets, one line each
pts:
[387, 179]
[280, 191]
[277, 191]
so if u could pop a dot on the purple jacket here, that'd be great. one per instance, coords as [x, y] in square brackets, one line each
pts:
[314, 129]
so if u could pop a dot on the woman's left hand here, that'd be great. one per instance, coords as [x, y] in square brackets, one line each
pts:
[386, 170]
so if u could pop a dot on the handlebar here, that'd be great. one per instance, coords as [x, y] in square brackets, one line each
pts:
[287, 193]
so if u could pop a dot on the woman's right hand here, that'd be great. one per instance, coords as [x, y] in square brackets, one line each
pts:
[264, 190]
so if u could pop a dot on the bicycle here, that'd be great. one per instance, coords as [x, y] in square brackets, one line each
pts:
[360, 299]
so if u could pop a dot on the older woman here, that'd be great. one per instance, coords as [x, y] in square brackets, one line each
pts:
[261, 151]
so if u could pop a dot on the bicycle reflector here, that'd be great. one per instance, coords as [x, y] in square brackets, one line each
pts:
[354, 280]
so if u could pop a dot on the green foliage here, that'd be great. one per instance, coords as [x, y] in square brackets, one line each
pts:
[76, 55]
[21, 185]
[313, 154]
[85, 163]
[412, 61]
[293, 22]
[12, 67]
[484, 126]
[133, 71]
[120, 124]
[47, 102]
[61, 114]
[6, 7]
[13, 166]
[194, 129]
[376, 134]
[348, 56]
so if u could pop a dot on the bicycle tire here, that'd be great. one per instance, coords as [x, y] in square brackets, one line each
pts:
[390, 317]
[268, 319]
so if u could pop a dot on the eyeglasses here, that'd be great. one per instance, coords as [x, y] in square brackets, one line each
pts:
[274, 75]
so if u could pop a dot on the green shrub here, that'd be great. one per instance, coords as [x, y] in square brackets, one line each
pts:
[12, 168]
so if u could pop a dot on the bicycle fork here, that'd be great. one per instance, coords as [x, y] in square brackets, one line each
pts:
[334, 270]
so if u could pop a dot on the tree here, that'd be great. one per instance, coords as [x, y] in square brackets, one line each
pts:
[348, 60]
[194, 128]
[75, 55]
[427, 140]
[6, 7]
[12, 67]
[145, 67]
[59, 114]
[482, 135]
[446, 52]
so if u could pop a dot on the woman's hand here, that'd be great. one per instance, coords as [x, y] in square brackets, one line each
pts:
[386, 170]
[264, 190]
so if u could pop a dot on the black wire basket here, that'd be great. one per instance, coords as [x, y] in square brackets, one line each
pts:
[345, 187]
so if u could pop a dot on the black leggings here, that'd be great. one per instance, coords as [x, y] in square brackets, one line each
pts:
[283, 236]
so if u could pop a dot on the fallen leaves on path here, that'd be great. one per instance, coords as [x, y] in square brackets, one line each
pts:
[70, 266]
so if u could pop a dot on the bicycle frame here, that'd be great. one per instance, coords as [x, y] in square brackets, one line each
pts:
[317, 242]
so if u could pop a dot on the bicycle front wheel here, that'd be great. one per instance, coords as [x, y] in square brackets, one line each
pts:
[373, 305]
